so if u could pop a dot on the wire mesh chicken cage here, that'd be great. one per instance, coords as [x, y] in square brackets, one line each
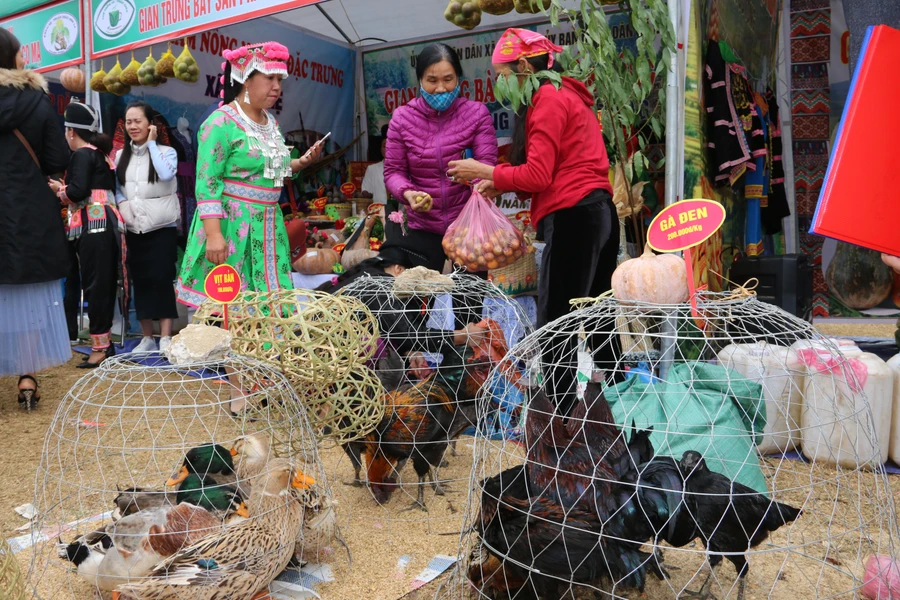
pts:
[438, 339]
[659, 442]
[144, 465]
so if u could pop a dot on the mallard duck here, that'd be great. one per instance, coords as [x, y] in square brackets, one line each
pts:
[208, 460]
[220, 500]
[193, 489]
[251, 455]
[319, 523]
[129, 548]
[241, 560]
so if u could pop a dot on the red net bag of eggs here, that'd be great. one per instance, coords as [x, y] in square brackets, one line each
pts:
[482, 238]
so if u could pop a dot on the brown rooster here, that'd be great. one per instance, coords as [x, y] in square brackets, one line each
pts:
[420, 421]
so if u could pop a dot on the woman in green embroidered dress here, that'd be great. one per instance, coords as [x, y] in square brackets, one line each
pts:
[242, 165]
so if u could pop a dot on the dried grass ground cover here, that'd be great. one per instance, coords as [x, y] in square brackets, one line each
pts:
[378, 536]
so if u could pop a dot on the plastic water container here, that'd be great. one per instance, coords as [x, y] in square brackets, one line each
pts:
[782, 376]
[894, 446]
[845, 397]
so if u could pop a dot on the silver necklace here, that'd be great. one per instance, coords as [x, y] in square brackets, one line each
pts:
[266, 139]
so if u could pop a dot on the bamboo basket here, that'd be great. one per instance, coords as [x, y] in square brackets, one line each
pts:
[343, 209]
[361, 205]
[12, 583]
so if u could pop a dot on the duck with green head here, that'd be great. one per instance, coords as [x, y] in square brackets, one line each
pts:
[208, 460]
[207, 494]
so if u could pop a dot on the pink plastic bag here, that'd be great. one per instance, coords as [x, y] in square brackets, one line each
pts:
[482, 238]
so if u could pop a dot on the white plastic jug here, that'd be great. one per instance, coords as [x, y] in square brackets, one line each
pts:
[894, 447]
[846, 397]
[782, 376]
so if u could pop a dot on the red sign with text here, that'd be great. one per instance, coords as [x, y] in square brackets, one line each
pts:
[685, 224]
[347, 189]
[223, 284]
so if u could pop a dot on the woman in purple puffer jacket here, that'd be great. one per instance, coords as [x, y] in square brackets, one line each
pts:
[424, 136]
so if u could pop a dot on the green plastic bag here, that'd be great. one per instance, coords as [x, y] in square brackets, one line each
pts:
[701, 407]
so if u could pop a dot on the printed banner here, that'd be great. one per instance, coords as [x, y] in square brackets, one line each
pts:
[318, 94]
[50, 36]
[390, 73]
[121, 25]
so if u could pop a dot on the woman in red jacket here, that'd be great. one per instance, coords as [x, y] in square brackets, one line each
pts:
[557, 156]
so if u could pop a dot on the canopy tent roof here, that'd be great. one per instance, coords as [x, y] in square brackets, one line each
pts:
[11, 7]
[371, 22]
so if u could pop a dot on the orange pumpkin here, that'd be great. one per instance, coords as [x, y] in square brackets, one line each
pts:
[72, 79]
[651, 278]
[317, 261]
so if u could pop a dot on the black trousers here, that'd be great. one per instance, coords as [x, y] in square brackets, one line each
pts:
[72, 293]
[98, 258]
[579, 258]
[151, 266]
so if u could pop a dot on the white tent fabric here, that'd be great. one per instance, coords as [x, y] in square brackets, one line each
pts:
[371, 22]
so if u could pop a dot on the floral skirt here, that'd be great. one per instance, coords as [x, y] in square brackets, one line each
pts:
[256, 239]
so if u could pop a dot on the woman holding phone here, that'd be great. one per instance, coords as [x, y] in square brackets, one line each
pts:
[242, 162]
[146, 196]
[424, 136]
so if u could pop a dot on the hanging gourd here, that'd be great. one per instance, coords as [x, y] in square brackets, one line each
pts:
[129, 74]
[147, 72]
[112, 82]
[72, 79]
[651, 278]
[165, 67]
[530, 7]
[97, 80]
[185, 66]
[463, 13]
[496, 7]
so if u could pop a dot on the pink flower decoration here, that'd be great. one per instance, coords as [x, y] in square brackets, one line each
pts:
[396, 216]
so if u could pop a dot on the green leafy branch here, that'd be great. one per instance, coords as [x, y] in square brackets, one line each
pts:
[629, 85]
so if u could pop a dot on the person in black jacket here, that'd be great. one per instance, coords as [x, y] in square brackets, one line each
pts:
[94, 224]
[33, 255]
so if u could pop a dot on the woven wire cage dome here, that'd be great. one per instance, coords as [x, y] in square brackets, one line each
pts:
[320, 343]
[139, 442]
[656, 442]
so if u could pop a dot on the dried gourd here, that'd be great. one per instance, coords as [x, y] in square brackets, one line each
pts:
[147, 72]
[165, 67]
[129, 74]
[113, 82]
[529, 7]
[97, 80]
[463, 13]
[496, 7]
[185, 66]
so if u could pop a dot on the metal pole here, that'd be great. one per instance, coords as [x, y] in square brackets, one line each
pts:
[674, 88]
[674, 162]
[86, 26]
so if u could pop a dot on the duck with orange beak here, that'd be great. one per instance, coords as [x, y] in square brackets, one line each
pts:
[243, 559]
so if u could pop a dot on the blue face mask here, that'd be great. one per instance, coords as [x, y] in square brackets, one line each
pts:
[440, 102]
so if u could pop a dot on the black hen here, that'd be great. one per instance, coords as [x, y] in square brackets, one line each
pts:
[730, 517]
[518, 527]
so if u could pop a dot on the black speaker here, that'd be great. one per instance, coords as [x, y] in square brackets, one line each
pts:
[785, 281]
